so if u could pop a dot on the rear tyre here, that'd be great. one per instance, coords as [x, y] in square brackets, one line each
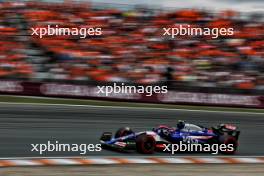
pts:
[229, 141]
[145, 144]
[123, 132]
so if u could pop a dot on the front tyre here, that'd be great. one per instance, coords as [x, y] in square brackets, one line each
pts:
[145, 144]
[106, 136]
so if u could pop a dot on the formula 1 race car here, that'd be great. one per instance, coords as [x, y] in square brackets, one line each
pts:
[147, 142]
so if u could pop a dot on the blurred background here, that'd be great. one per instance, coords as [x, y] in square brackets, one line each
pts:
[227, 71]
[132, 49]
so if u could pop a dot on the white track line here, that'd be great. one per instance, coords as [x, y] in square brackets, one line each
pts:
[135, 108]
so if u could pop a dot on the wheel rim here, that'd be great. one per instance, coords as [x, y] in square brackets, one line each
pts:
[148, 144]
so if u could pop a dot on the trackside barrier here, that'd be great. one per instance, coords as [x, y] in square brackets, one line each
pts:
[91, 92]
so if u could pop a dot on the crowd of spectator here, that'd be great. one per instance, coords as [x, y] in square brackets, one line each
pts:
[131, 48]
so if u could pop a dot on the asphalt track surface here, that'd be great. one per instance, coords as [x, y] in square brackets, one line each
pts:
[139, 169]
[23, 125]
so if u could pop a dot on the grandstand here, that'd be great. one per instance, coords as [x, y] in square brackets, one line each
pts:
[132, 48]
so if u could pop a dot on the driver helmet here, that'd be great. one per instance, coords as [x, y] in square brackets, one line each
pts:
[180, 124]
